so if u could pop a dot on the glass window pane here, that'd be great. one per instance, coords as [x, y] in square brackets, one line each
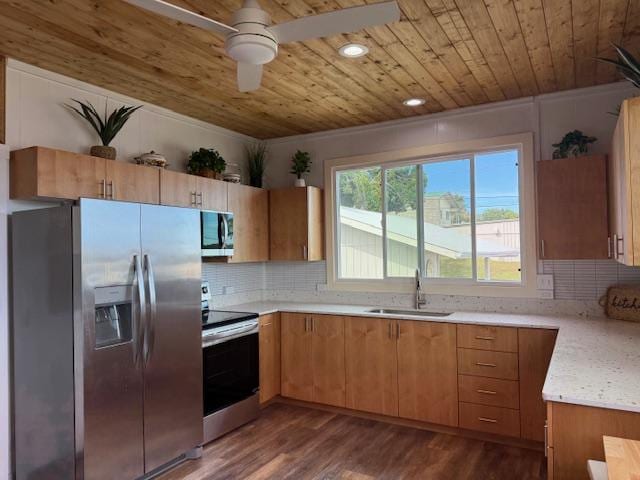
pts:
[360, 223]
[401, 197]
[447, 228]
[497, 216]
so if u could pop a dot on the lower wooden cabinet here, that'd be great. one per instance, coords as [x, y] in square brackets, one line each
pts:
[535, 347]
[420, 370]
[269, 343]
[427, 372]
[575, 436]
[371, 365]
[313, 358]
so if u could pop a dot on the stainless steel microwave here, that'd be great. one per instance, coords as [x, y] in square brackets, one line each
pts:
[216, 233]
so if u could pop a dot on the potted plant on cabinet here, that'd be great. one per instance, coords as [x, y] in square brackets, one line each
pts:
[106, 129]
[206, 162]
[256, 163]
[300, 164]
[573, 144]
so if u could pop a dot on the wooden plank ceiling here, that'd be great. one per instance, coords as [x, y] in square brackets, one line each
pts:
[453, 53]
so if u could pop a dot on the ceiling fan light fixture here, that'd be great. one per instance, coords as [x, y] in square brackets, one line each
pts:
[414, 102]
[353, 50]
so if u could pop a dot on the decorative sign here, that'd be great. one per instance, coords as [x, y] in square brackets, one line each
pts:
[623, 302]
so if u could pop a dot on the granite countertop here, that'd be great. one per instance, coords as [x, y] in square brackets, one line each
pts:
[595, 362]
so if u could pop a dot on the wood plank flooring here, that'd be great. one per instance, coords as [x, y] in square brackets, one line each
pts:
[291, 442]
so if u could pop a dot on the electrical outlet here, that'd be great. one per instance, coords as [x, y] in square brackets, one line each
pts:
[545, 282]
[228, 290]
[321, 287]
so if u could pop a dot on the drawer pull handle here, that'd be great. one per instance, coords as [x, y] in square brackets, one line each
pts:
[483, 337]
[487, 420]
[266, 324]
[482, 364]
[486, 392]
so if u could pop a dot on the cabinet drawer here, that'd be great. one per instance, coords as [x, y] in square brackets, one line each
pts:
[489, 391]
[488, 364]
[483, 418]
[488, 337]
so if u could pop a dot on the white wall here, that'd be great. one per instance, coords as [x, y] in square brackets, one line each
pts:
[548, 116]
[36, 116]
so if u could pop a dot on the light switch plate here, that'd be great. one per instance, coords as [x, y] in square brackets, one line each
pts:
[228, 290]
[321, 287]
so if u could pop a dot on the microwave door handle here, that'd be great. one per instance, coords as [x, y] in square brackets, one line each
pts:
[142, 308]
[153, 307]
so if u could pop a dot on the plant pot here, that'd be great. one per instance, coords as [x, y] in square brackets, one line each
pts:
[207, 172]
[103, 152]
[300, 182]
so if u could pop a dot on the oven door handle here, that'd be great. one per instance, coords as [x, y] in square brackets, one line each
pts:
[230, 333]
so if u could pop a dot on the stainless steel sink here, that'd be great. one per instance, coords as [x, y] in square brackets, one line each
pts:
[419, 313]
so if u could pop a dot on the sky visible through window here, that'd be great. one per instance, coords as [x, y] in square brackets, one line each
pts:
[496, 181]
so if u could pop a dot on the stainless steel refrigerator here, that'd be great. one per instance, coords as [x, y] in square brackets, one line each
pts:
[107, 342]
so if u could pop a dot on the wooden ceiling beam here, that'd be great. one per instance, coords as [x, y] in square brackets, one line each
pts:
[586, 15]
[610, 31]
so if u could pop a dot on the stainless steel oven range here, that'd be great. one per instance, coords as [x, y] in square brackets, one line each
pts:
[230, 370]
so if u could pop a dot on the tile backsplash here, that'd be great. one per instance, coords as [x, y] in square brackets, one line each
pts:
[577, 287]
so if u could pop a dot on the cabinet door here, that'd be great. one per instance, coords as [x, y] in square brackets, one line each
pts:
[572, 208]
[427, 372]
[177, 189]
[296, 346]
[288, 224]
[535, 347]
[39, 172]
[371, 365]
[328, 360]
[133, 183]
[269, 339]
[315, 224]
[250, 208]
[211, 194]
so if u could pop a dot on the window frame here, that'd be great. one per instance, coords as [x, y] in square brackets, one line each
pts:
[420, 155]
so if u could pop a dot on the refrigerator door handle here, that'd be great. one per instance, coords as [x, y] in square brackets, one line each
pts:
[153, 307]
[138, 319]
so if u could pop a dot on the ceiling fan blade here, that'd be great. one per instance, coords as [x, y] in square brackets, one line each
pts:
[182, 15]
[249, 77]
[340, 21]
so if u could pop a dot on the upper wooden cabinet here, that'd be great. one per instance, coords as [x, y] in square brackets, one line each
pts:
[428, 372]
[132, 183]
[38, 172]
[624, 180]
[572, 208]
[184, 190]
[45, 173]
[296, 224]
[313, 359]
[250, 207]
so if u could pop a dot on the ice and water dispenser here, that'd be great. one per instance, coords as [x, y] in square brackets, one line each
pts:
[114, 315]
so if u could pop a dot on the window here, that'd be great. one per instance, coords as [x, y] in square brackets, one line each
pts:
[457, 218]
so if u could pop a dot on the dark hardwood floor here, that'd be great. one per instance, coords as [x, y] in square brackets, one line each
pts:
[291, 442]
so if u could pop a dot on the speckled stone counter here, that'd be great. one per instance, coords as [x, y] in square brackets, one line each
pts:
[596, 362]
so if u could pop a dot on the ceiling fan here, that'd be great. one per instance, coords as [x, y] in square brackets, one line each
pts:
[252, 41]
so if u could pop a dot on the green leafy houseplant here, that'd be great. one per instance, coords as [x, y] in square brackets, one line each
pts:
[256, 163]
[573, 144]
[106, 128]
[206, 162]
[626, 64]
[300, 164]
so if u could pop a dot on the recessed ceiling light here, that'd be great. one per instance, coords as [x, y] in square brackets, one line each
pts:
[353, 50]
[414, 102]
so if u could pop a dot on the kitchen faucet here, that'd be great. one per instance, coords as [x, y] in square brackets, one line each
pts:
[420, 298]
